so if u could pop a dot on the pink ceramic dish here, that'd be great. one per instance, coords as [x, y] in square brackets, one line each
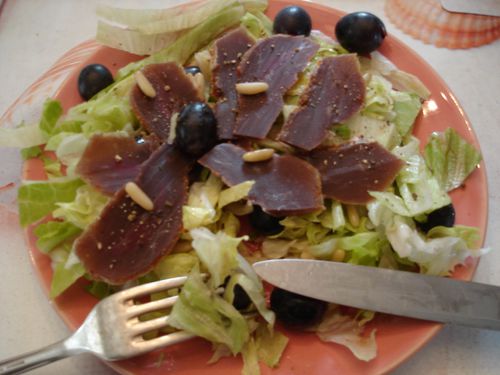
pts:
[397, 338]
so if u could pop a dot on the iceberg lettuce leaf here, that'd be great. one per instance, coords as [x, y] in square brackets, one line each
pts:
[54, 233]
[202, 312]
[38, 199]
[451, 158]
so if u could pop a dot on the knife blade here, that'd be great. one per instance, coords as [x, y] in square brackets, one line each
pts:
[388, 291]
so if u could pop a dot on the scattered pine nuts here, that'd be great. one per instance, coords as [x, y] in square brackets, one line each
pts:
[258, 155]
[144, 84]
[173, 127]
[353, 215]
[251, 88]
[139, 196]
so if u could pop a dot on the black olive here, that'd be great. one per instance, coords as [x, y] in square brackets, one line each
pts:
[196, 130]
[292, 20]
[360, 32]
[92, 79]
[444, 216]
[265, 223]
[241, 300]
[192, 69]
[195, 173]
[296, 310]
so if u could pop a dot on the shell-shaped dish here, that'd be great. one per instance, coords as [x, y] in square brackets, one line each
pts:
[428, 21]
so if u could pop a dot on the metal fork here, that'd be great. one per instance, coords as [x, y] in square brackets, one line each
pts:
[111, 331]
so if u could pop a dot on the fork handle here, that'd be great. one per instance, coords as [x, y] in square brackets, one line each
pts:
[41, 357]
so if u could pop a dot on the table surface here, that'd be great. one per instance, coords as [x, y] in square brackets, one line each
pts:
[34, 33]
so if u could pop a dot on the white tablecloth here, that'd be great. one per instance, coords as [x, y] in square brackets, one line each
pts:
[34, 33]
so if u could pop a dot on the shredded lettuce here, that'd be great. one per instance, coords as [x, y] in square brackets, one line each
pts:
[450, 158]
[419, 190]
[54, 233]
[173, 265]
[406, 108]
[190, 42]
[257, 25]
[66, 272]
[36, 200]
[22, 137]
[436, 255]
[270, 345]
[348, 331]
[31, 152]
[84, 209]
[202, 312]
[217, 252]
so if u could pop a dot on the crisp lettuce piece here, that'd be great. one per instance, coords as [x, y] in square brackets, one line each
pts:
[51, 167]
[469, 234]
[270, 345]
[250, 359]
[230, 224]
[65, 274]
[217, 252]
[173, 265]
[70, 150]
[235, 193]
[419, 190]
[202, 200]
[51, 112]
[84, 209]
[192, 41]
[22, 137]
[364, 248]
[348, 331]
[406, 109]
[379, 102]
[450, 158]
[202, 312]
[276, 248]
[54, 233]
[36, 200]
[333, 217]
[437, 254]
[257, 26]
[31, 152]
[323, 250]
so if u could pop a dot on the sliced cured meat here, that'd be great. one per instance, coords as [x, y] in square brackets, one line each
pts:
[173, 89]
[228, 52]
[349, 172]
[336, 92]
[110, 161]
[127, 241]
[284, 185]
[277, 61]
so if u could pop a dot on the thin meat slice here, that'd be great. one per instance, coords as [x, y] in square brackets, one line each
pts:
[109, 161]
[284, 185]
[277, 61]
[173, 88]
[228, 52]
[336, 92]
[349, 172]
[127, 241]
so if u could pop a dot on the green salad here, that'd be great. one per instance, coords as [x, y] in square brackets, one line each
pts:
[408, 226]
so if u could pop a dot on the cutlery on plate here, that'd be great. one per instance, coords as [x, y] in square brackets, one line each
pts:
[111, 331]
[393, 292]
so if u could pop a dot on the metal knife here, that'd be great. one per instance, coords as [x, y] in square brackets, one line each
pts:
[402, 293]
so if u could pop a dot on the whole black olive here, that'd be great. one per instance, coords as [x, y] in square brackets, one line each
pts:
[92, 79]
[444, 216]
[360, 32]
[193, 69]
[241, 300]
[292, 20]
[265, 223]
[295, 310]
[196, 130]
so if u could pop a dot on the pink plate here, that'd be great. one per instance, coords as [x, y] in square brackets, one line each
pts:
[397, 338]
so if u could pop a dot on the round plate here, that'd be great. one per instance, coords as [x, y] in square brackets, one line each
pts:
[397, 338]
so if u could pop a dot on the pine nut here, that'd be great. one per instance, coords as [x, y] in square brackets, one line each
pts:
[338, 255]
[173, 127]
[353, 215]
[144, 84]
[258, 155]
[251, 88]
[139, 196]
